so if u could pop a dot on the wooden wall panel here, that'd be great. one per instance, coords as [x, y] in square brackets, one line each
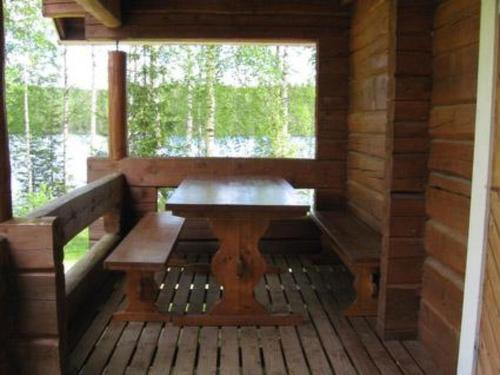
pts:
[489, 335]
[368, 115]
[451, 129]
[388, 144]
[37, 294]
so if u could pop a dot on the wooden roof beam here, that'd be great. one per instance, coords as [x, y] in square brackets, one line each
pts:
[107, 12]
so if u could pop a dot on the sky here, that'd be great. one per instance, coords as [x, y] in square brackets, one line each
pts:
[80, 65]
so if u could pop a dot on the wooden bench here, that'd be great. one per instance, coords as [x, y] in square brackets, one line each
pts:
[144, 251]
[359, 247]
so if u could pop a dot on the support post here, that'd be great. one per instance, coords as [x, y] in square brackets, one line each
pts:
[5, 189]
[117, 105]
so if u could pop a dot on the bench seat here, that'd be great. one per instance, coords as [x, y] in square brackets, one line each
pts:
[145, 250]
[359, 248]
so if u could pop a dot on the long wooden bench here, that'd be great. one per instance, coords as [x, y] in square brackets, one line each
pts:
[144, 251]
[359, 248]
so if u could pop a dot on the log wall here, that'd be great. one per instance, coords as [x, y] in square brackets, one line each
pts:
[406, 173]
[451, 129]
[489, 335]
[369, 113]
[37, 285]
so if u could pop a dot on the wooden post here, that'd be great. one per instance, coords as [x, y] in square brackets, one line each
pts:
[5, 190]
[117, 103]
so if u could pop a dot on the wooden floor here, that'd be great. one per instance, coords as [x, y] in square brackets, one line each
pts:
[327, 343]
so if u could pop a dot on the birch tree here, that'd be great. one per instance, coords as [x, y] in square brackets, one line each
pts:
[93, 102]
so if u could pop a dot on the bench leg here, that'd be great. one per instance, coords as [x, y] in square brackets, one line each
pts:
[141, 291]
[365, 286]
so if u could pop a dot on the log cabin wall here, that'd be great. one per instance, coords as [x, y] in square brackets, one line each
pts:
[368, 115]
[406, 173]
[388, 143]
[451, 129]
[489, 335]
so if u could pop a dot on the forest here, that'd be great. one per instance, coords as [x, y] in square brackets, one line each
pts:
[246, 100]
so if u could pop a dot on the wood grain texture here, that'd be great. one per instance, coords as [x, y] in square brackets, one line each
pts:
[239, 210]
[489, 334]
[327, 343]
[107, 12]
[169, 172]
[38, 301]
[81, 207]
[247, 193]
[451, 128]
[117, 105]
[148, 245]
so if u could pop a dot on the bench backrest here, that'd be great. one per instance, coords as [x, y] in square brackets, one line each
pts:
[148, 245]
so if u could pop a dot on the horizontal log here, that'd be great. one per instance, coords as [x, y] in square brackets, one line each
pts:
[452, 157]
[107, 13]
[169, 172]
[87, 274]
[33, 243]
[437, 335]
[452, 210]
[218, 27]
[81, 207]
[38, 356]
[318, 7]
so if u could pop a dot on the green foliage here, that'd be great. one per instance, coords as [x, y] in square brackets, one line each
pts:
[34, 200]
[76, 248]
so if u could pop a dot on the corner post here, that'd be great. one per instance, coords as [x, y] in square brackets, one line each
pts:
[5, 188]
[117, 105]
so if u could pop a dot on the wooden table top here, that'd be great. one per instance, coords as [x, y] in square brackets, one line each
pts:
[240, 193]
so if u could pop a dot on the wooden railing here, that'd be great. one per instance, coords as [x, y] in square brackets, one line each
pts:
[45, 296]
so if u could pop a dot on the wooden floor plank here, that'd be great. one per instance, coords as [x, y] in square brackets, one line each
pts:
[271, 348]
[250, 352]
[403, 359]
[334, 348]
[125, 348]
[186, 356]
[293, 352]
[207, 358]
[167, 345]
[146, 346]
[229, 358]
[327, 343]
[374, 347]
[198, 292]
[99, 324]
[350, 340]
[421, 357]
[104, 348]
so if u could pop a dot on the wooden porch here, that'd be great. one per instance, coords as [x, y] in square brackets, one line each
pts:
[316, 286]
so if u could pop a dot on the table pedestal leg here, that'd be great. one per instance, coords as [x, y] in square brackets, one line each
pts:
[238, 266]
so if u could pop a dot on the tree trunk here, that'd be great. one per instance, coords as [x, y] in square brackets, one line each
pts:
[65, 115]
[93, 104]
[284, 95]
[27, 131]
[211, 104]
[189, 87]
[153, 72]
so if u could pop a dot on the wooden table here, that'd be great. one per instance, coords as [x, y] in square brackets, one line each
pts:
[239, 210]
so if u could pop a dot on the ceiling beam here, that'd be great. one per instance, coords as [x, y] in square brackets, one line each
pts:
[107, 12]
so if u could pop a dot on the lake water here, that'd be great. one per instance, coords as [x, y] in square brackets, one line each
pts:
[79, 151]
